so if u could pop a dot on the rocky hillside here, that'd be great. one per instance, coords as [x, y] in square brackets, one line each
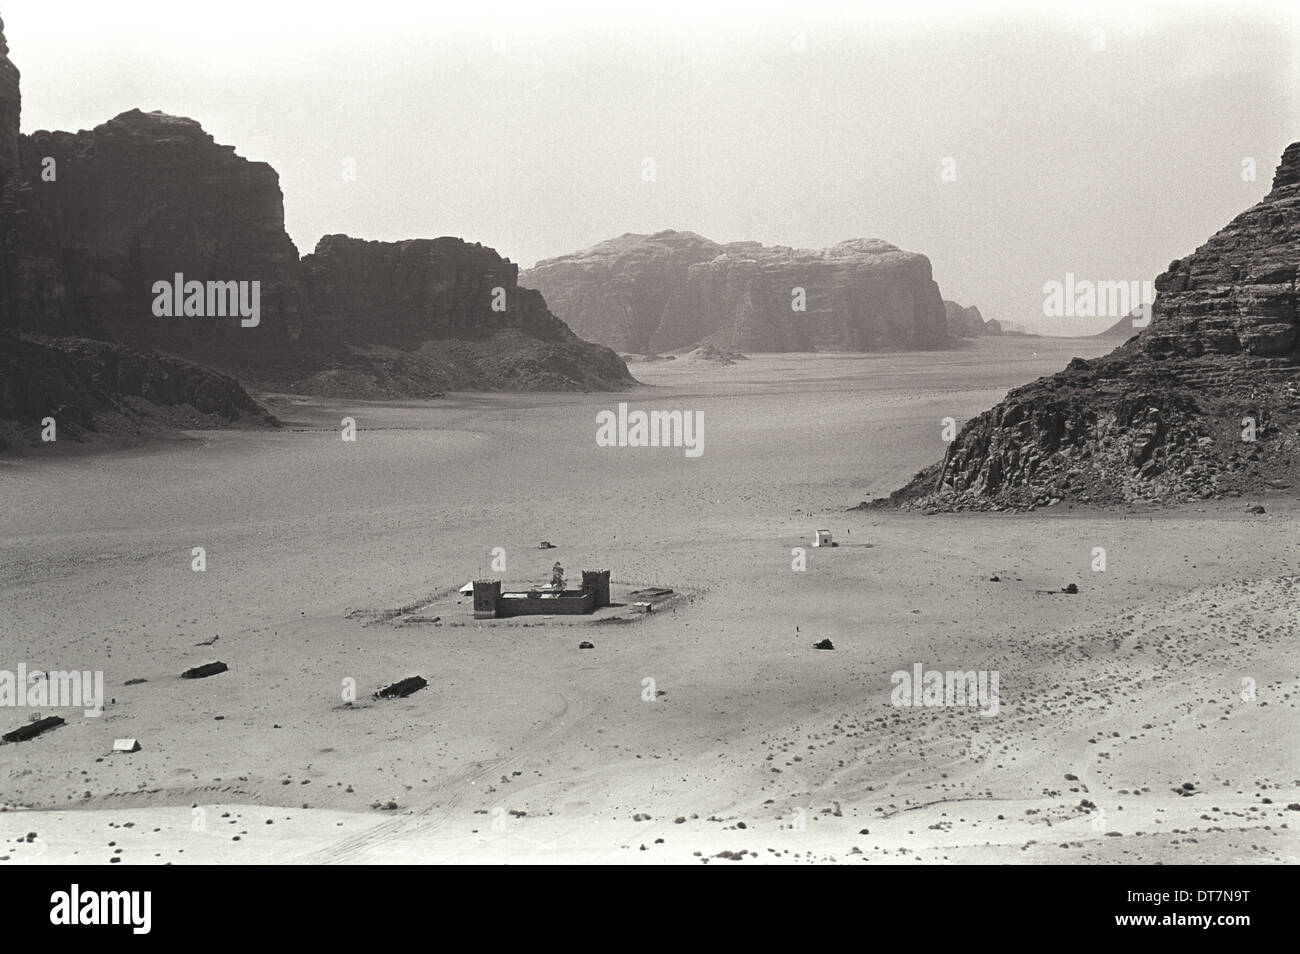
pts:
[1204, 403]
[95, 388]
[674, 290]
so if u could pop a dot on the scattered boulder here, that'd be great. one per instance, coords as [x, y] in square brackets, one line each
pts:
[585, 644]
[1072, 589]
[546, 545]
[824, 644]
[202, 672]
[402, 689]
[32, 729]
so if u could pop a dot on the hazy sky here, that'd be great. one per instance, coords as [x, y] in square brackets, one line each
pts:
[526, 126]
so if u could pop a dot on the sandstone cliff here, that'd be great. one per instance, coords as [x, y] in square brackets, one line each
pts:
[33, 290]
[147, 195]
[615, 293]
[1204, 403]
[675, 290]
[47, 367]
[454, 312]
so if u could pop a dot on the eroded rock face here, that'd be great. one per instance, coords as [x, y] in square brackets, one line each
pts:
[615, 293]
[676, 290]
[33, 291]
[145, 196]
[456, 312]
[405, 293]
[1204, 403]
[1237, 292]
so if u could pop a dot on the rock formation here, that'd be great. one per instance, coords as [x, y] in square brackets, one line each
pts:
[453, 309]
[91, 221]
[99, 388]
[145, 196]
[967, 322]
[614, 293]
[1204, 403]
[33, 291]
[51, 364]
[1124, 328]
[675, 290]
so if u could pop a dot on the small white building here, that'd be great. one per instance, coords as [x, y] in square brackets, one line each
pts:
[823, 538]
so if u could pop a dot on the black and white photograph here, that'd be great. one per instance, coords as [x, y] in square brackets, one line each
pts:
[685, 433]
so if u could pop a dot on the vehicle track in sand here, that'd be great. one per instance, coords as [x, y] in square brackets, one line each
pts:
[424, 822]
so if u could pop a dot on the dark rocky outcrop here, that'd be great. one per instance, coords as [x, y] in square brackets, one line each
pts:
[33, 290]
[53, 361]
[675, 290]
[100, 388]
[145, 196]
[1169, 415]
[450, 310]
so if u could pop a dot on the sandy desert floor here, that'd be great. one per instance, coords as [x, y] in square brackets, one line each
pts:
[1150, 717]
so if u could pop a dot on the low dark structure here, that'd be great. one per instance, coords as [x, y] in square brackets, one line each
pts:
[202, 672]
[400, 690]
[491, 603]
[32, 729]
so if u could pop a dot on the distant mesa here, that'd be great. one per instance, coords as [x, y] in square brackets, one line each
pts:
[1203, 403]
[647, 294]
[967, 322]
